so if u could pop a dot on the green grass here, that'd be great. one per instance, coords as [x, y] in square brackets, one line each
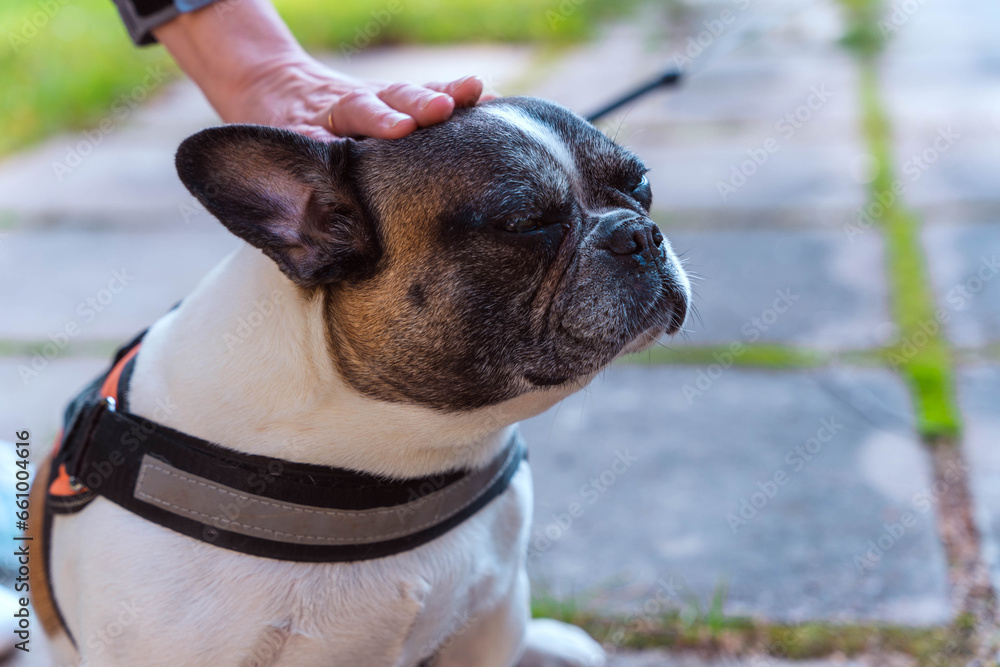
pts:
[78, 348]
[922, 355]
[75, 66]
[8, 222]
[69, 71]
[355, 24]
[711, 631]
[863, 36]
[752, 356]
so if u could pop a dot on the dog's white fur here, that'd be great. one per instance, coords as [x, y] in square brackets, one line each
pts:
[135, 593]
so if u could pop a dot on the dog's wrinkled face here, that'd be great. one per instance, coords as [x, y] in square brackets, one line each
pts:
[506, 251]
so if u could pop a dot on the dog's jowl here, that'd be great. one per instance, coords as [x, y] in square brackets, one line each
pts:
[342, 483]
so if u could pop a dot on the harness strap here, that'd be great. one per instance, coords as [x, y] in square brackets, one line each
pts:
[113, 386]
[272, 508]
[56, 493]
[258, 505]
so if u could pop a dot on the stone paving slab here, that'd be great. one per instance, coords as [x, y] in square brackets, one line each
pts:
[122, 175]
[979, 391]
[779, 131]
[803, 287]
[37, 404]
[739, 75]
[646, 497]
[942, 74]
[953, 159]
[695, 178]
[100, 284]
[964, 260]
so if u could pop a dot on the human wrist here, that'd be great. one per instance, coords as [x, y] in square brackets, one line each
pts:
[227, 47]
[283, 91]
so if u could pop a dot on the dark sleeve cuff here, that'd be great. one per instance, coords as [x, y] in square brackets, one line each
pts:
[141, 16]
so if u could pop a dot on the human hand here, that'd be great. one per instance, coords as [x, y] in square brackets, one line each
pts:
[252, 70]
[306, 97]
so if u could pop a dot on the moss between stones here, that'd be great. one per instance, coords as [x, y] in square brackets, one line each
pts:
[102, 349]
[711, 632]
[922, 354]
[737, 354]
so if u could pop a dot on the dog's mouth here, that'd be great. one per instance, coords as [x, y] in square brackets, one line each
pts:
[583, 341]
[673, 302]
[543, 381]
[658, 307]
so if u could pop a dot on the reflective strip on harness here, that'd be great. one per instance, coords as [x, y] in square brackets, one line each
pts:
[197, 498]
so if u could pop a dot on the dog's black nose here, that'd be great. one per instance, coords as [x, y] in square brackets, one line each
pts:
[634, 236]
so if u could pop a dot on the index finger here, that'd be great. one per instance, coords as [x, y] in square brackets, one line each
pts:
[361, 113]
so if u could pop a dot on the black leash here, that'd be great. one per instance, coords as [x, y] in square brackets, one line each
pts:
[668, 79]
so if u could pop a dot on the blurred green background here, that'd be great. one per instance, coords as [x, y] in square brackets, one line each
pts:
[63, 63]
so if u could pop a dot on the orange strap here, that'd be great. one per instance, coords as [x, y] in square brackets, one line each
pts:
[61, 485]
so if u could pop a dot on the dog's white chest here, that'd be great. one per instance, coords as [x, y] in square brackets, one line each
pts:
[216, 607]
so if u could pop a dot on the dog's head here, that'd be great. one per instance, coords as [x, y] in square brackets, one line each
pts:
[506, 251]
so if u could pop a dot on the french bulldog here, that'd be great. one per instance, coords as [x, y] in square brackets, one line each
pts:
[422, 295]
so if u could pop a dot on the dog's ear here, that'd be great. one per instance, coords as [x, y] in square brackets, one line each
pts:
[290, 196]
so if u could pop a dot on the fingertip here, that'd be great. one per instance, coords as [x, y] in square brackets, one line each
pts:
[464, 91]
[468, 90]
[396, 125]
[436, 109]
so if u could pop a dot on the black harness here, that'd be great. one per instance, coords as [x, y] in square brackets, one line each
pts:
[256, 505]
